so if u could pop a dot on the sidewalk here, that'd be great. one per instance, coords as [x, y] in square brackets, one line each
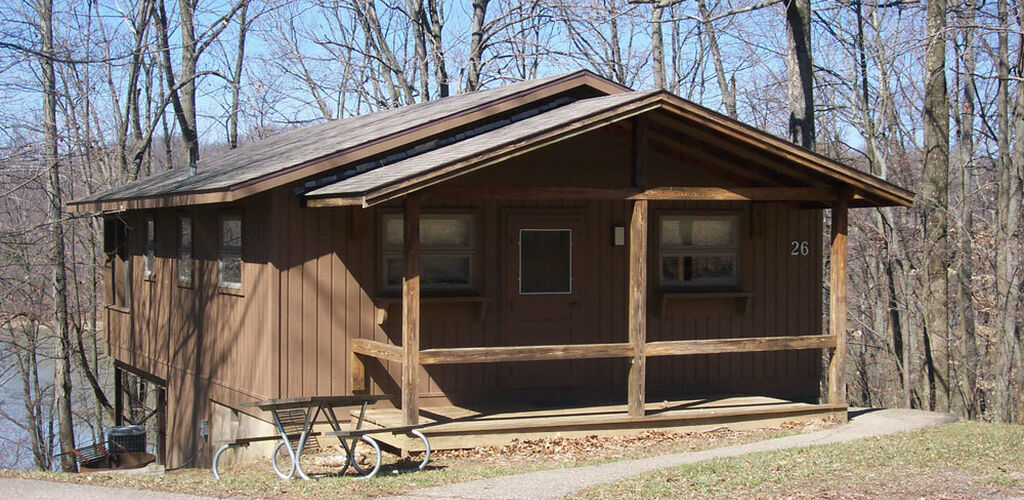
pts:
[31, 489]
[558, 483]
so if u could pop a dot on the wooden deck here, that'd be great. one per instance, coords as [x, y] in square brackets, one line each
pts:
[454, 427]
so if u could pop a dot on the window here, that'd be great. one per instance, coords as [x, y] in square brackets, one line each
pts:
[230, 264]
[698, 250]
[446, 251]
[115, 245]
[185, 250]
[150, 245]
[545, 261]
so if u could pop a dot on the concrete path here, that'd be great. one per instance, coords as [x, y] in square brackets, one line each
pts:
[30, 489]
[558, 483]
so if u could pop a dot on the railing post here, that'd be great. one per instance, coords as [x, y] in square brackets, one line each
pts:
[638, 306]
[357, 373]
[411, 311]
[837, 301]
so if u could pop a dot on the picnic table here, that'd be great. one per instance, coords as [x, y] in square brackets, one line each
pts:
[301, 429]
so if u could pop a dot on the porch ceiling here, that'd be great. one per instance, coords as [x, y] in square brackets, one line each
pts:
[748, 158]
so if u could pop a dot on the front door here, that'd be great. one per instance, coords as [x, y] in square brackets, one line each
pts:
[543, 284]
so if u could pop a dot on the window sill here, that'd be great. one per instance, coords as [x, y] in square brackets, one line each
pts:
[684, 303]
[441, 302]
[186, 285]
[230, 290]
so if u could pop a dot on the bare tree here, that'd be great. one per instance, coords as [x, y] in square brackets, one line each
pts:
[477, 44]
[182, 88]
[236, 76]
[728, 92]
[934, 202]
[966, 365]
[800, 88]
[1008, 213]
[62, 379]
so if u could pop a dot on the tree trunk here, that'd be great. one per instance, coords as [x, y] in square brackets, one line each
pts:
[187, 77]
[62, 363]
[419, 29]
[657, 46]
[966, 366]
[800, 73]
[934, 196]
[476, 45]
[236, 77]
[436, 14]
[1008, 213]
[728, 92]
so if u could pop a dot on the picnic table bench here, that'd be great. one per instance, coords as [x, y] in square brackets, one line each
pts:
[294, 419]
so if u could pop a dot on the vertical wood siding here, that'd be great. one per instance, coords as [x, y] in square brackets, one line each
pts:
[311, 277]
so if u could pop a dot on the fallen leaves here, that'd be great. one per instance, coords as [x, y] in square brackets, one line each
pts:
[593, 447]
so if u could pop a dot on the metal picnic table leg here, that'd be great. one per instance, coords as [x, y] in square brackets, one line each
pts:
[296, 454]
[350, 449]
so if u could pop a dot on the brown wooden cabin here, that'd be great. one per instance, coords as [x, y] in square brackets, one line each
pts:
[572, 248]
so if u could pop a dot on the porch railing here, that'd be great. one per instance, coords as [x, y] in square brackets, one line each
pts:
[462, 355]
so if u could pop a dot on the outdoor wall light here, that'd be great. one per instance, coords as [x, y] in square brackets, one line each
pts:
[619, 235]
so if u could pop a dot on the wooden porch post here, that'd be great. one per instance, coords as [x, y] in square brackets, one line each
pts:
[118, 395]
[638, 306]
[161, 425]
[411, 311]
[837, 301]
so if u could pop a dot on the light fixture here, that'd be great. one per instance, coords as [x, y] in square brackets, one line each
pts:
[619, 235]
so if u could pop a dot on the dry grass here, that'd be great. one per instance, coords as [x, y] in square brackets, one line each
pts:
[964, 460]
[258, 479]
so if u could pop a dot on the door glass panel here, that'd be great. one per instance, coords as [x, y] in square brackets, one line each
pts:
[545, 261]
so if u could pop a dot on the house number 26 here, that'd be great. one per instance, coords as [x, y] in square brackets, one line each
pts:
[799, 248]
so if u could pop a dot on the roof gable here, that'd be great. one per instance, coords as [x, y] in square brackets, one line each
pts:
[409, 175]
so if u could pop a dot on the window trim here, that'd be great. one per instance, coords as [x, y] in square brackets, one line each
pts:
[181, 247]
[735, 250]
[519, 250]
[472, 252]
[230, 286]
[118, 256]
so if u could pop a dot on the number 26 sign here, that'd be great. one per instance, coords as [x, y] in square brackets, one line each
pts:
[799, 248]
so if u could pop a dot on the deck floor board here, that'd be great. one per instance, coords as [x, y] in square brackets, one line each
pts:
[452, 427]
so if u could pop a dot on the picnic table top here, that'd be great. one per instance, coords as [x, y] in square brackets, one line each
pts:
[312, 401]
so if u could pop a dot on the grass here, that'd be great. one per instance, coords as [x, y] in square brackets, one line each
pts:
[962, 460]
[258, 480]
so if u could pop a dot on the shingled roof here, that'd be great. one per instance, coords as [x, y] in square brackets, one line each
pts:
[300, 147]
[368, 159]
[476, 146]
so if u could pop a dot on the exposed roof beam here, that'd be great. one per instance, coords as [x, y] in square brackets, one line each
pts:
[882, 191]
[583, 193]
